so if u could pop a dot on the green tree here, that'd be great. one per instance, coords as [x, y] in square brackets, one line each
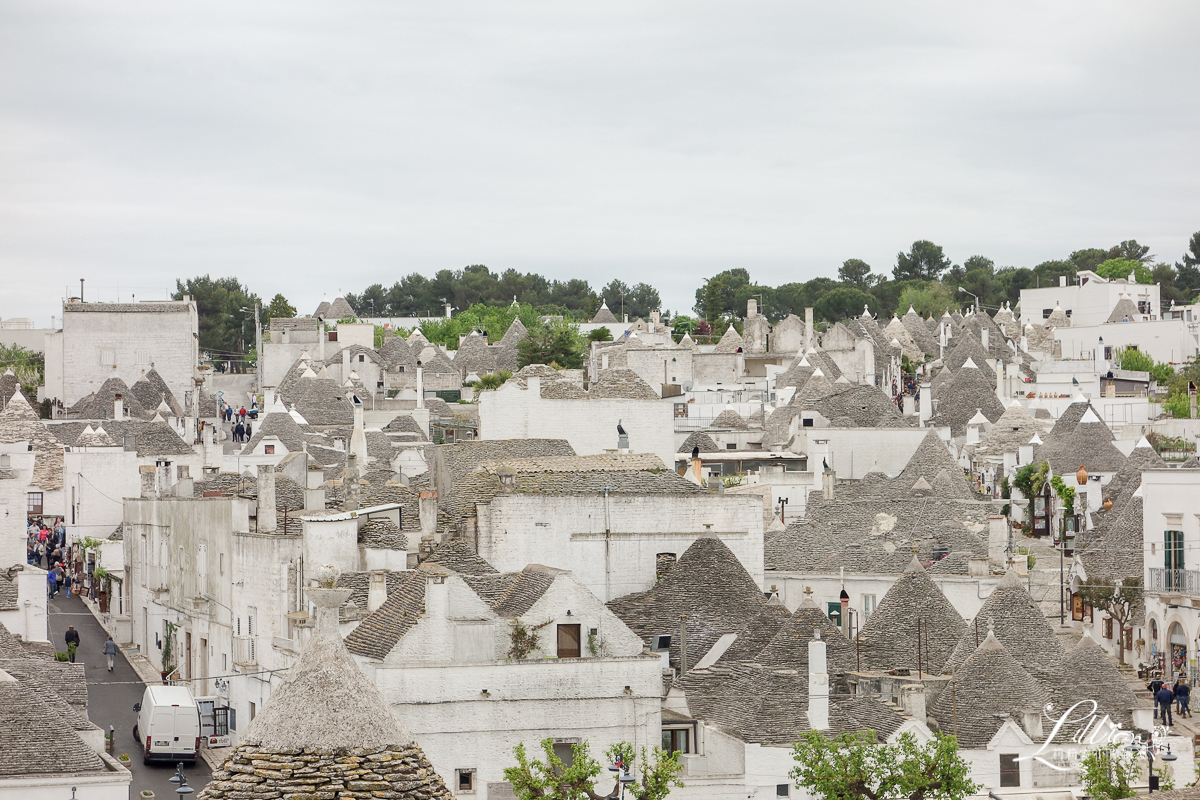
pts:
[27, 366]
[491, 381]
[1129, 358]
[857, 272]
[858, 765]
[602, 334]
[842, 303]
[719, 295]
[226, 314]
[554, 344]
[1108, 772]
[1116, 268]
[1187, 274]
[279, 308]
[924, 261]
[1131, 251]
[1088, 258]
[554, 779]
[930, 298]
[1118, 600]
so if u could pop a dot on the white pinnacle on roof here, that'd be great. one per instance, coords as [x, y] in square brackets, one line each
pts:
[1036, 439]
[979, 418]
[294, 414]
[804, 362]
[969, 364]
[842, 379]
[1088, 416]
[1143, 442]
[1138, 493]
[308, 373]
[1079, 398]
[817, 372]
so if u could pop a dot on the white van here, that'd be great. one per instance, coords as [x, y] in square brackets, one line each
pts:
[168, 725]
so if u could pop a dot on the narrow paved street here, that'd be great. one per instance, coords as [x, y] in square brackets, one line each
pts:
[111, 697]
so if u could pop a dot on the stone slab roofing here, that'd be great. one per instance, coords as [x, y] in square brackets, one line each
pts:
[1105, 684]
[1088, 444]
[603, 315]
[456, 554]
[929, 460]
[769, 707]
[757, 633]
[699, 439]
[970, 391]
[144, 307]
[151, 390]
[8, 593]
[988, 688]
[728, 420]
[465, 457]
[788, 649]
[328, 730]
[889, 638]
[730, 341]
[709, 586]
[1128, 478]
[512, 594]
[1021, 627]
[100, 404]
[919, 332]
[608, 462]
[1011, 431]
[621, 384]
[19, 423]
[37, 742]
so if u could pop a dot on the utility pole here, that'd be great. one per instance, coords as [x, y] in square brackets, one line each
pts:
[258, 348]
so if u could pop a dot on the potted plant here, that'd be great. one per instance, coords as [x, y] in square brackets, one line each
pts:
[124, 759]
[147, 794]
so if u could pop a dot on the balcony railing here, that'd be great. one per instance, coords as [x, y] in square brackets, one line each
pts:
[1174, 581]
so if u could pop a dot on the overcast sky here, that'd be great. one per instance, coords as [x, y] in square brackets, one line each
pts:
[310, 147]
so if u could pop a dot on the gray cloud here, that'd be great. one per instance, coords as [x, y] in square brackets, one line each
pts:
[307, 147]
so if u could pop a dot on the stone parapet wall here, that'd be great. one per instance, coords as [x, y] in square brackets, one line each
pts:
[251, 773]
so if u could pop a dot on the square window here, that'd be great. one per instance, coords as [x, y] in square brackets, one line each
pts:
[269, 449]
[465, 780]
[731, 446]
[33, 503]
[1010, 770]
[107, 358]
[676, 740]
[565, 752]
[782, 789]
[568, 641]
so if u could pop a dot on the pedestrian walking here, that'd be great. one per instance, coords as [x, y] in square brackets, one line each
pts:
[1165, 698]
[60, 575]
[239, 431]
[72, 638]
[1183, 694]
[110, 650]
[1153, 686]
[249, 430]
[51, 584]
[67, 583]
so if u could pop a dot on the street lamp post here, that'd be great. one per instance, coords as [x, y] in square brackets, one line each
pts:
[964, 291]
[257, 347]
[183, 790]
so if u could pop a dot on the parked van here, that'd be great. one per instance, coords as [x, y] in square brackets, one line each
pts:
[168, 725]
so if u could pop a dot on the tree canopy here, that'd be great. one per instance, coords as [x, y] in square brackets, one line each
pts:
[226, 314]
[556, 344]
[856, 766]
[553, 778]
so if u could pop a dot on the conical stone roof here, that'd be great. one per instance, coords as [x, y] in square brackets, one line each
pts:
[730, 341]
[728, 419]
[1105, 684]
[987, 688]
[327, 731]
[889, 639]
[929, 460]
[707, 585]
[698, 439]
[1021, 627]
[603, 315]
[1088, 444]
[788, 649]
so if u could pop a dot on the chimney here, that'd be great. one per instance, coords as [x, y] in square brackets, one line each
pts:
[420, 387]
[314, 495]
[162, 478]
[437, 593]
[351, 488]
[997, 537]
[818, 684]
[827, 480]
[913, 697]
[808, 327]
[751, 308]
[266, 499]
[184, 488]
[118, 407]
[698, 469]
[984, 334]
[448, 309]
[149, 480]
[1062, 280]
[427, 507]
[1031, 720]
[358, 438]
[376, 589]
[925, 413]
[910, 405]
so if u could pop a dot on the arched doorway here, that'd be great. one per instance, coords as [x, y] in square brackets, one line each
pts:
[1176, 651]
